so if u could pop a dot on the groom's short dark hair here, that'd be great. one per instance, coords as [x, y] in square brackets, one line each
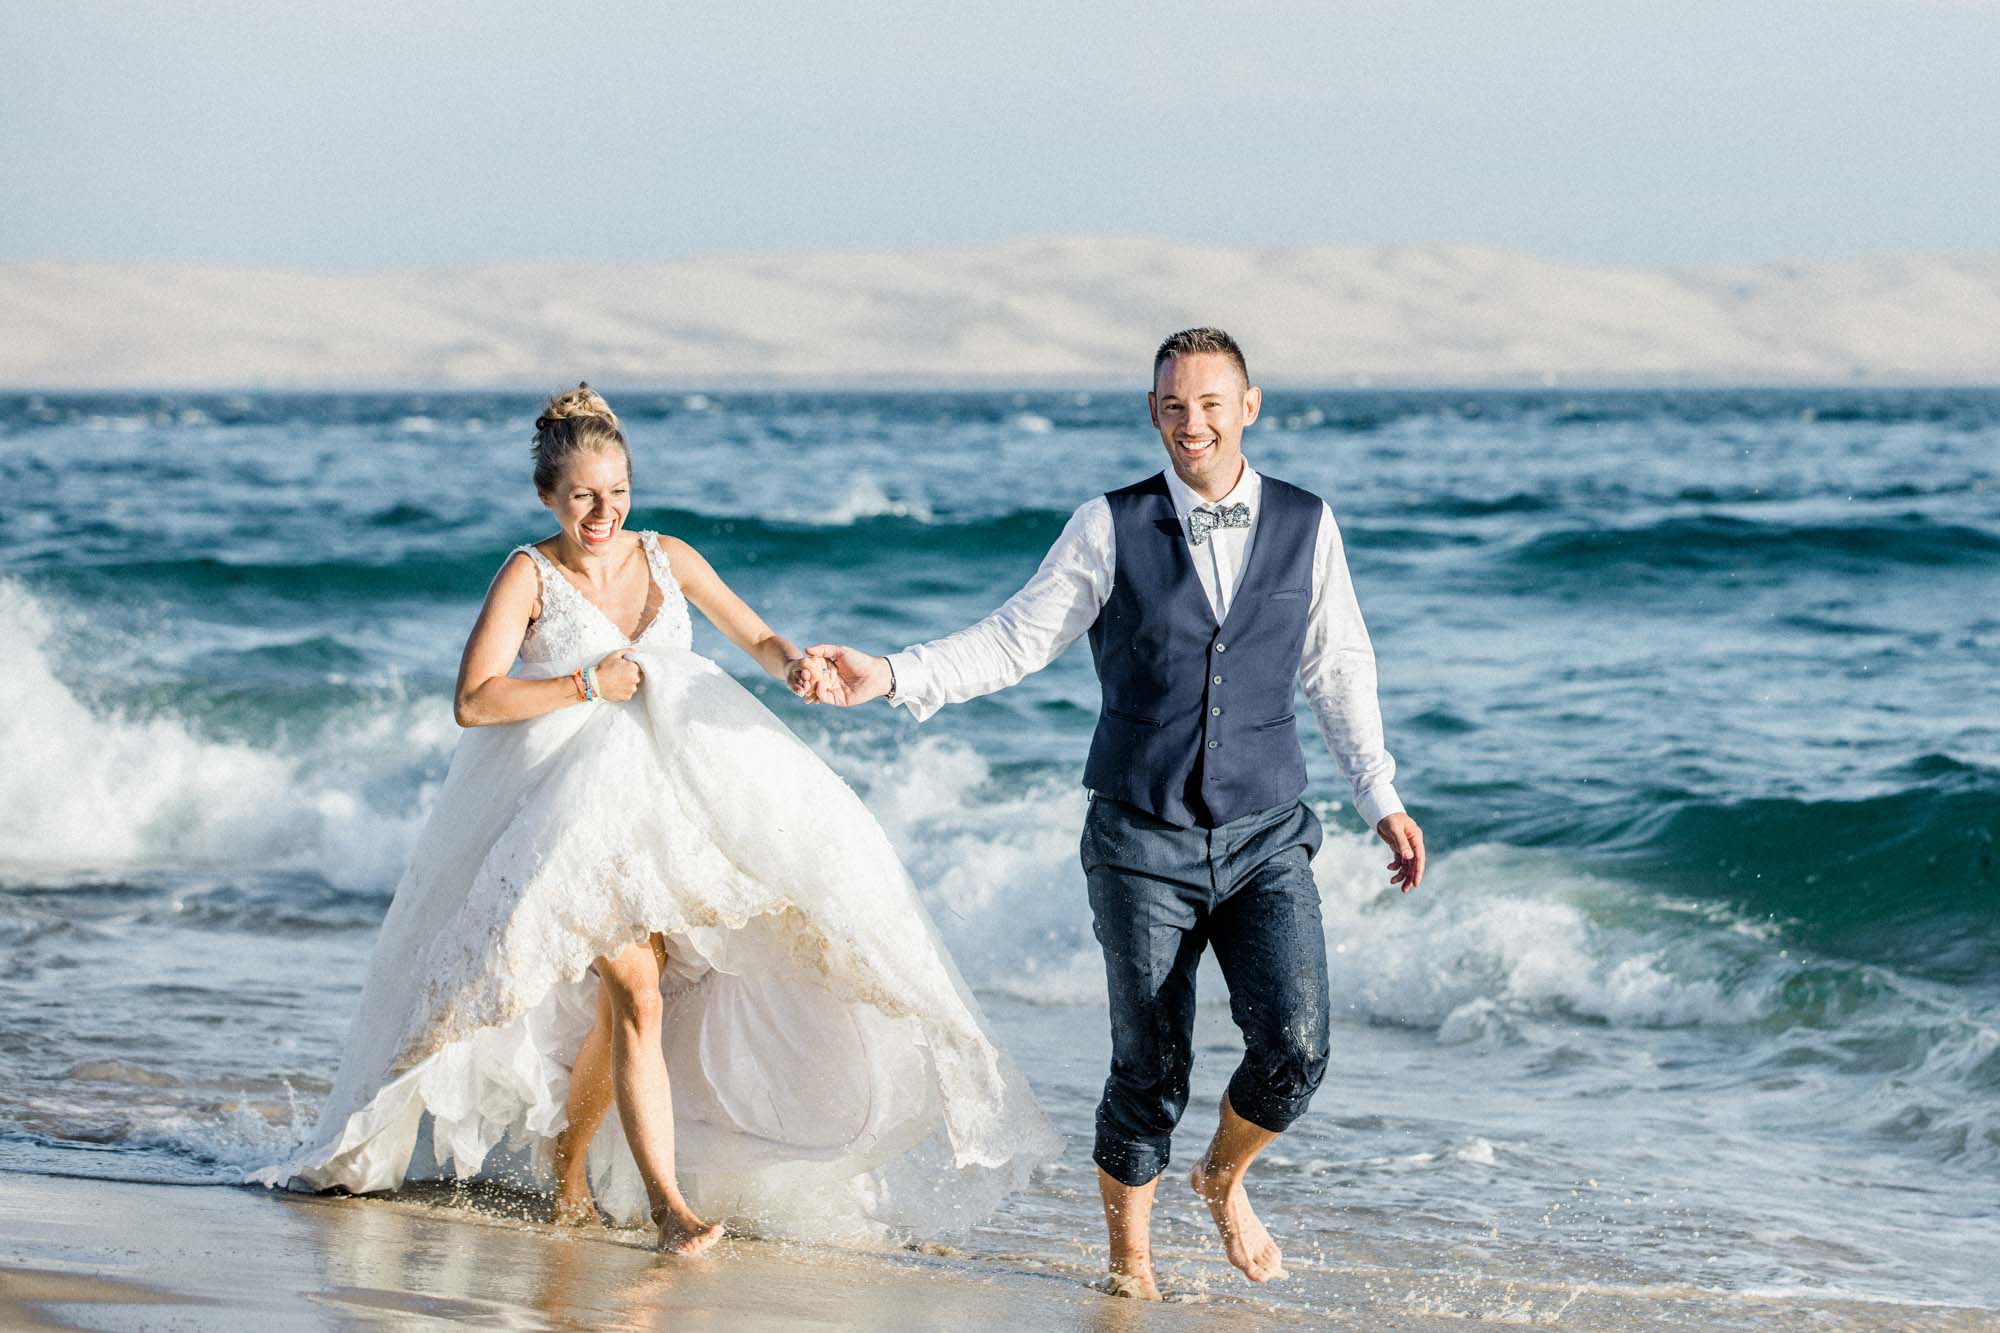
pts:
[1190, 342]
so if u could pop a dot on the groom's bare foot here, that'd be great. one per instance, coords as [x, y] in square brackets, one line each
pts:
[1132, 1277]
[684, 1234]
[1128, 1224]
[1244, 1239]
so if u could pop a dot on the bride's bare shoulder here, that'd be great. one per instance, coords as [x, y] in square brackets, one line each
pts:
[676, 550]
[518, 568]
[518, 584]
[690, 568]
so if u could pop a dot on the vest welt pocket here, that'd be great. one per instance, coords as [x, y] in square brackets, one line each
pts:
[1276, 722]
[1284, 593]
[1131, 717]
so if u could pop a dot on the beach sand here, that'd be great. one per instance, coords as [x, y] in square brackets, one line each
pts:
[93, 1254]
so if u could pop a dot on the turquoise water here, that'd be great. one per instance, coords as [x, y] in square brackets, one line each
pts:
[1693, 693]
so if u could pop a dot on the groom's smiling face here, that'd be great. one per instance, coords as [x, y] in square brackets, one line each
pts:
[1200, 404]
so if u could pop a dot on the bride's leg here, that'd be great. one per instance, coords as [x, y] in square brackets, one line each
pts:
[645, 1100]
[589, 1100]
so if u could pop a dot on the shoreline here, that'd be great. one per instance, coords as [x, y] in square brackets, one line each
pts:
[96, 1254]
[85, 1253]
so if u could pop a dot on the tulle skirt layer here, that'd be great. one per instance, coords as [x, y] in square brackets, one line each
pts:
[831, 1074]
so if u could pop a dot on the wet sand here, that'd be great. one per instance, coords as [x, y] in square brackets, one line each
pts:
[93, 1254]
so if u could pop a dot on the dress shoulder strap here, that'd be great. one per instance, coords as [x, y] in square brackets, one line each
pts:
[662, 567]
[549, 575]
[649, 542]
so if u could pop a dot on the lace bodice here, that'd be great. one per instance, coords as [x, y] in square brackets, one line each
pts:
[571, 631]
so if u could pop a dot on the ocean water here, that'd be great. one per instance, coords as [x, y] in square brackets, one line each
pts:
[1693, 692]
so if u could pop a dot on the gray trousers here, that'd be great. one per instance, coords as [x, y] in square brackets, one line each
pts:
[1159, 895]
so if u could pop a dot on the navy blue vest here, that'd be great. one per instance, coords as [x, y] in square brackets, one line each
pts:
[1198, 725]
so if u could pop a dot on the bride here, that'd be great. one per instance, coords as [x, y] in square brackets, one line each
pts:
[637, 886]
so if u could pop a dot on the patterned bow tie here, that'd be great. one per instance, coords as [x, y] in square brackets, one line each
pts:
[1203, 519]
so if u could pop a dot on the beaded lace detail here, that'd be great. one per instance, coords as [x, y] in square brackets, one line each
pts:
[572, 632]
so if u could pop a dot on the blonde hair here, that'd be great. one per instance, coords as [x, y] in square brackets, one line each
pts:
[575, 422]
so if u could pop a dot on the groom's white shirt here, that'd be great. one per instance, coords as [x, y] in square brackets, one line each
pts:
[1064, 597]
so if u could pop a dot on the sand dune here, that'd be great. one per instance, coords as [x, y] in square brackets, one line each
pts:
[1075, 309]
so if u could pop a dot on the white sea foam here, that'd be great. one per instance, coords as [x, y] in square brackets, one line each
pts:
[220, 1143]
[996, 868]
[1945, 1100]
[118, 424]
[1475, 1151]
[90, 790]
[867, 499]
[1495, 936]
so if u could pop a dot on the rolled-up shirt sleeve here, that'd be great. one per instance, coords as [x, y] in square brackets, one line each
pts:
[1027, 633]
[1337, 670]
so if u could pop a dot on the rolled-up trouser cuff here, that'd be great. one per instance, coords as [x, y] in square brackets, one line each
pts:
[1266, 1108]
[1131, 1162]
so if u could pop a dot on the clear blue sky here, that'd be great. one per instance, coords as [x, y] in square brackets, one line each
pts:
[363, 134]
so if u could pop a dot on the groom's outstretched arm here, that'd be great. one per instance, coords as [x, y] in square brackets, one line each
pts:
[1026, 634]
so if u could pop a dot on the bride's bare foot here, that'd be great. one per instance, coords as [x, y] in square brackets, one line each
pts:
[1132, 1278]
[1244, 1239]
[575, 1210]
[678, 1240]
[684, 1234]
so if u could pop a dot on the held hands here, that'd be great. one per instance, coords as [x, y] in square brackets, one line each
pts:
[861, 676]
[814, 679]
[1407, 841]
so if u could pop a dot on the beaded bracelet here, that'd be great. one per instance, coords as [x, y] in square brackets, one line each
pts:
[590, 682]
[576, 679]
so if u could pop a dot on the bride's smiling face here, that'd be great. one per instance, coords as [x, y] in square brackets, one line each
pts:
[591, 498]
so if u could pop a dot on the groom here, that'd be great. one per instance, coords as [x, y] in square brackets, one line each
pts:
[1206, 591]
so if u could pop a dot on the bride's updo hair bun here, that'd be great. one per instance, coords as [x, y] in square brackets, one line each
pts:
[574, 422]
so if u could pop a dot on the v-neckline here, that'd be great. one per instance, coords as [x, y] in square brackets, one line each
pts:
[652, 583]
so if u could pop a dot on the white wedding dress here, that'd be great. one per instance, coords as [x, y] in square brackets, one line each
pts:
[832, 1075]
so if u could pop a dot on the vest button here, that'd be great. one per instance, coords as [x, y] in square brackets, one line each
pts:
[1213, 744]
[1221, 647]
[1216, 679]
[1215, 712]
